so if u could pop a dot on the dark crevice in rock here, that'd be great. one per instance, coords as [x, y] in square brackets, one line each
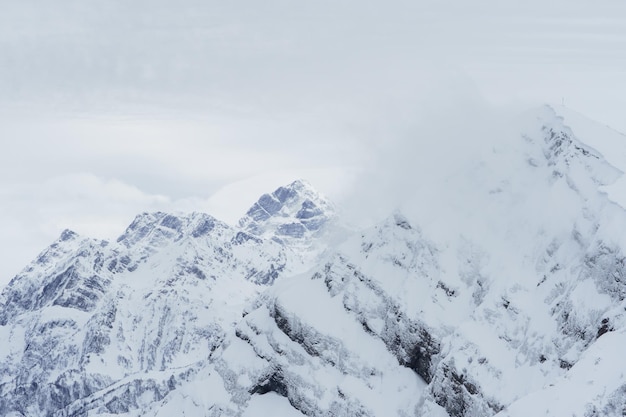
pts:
[283, 323]
[449, 291]
[420, 356]
[459, 395]
[604, 328]
[274, 383]
[409, 341]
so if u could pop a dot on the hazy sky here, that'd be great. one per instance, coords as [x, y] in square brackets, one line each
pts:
[110, 107]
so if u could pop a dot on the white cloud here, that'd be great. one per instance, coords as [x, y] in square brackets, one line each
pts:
[111, 107]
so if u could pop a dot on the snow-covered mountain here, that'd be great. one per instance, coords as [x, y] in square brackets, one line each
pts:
[90, 321]
[508, 300]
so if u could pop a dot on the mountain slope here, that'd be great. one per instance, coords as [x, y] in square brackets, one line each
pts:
[485, 318]
[294, 214]
[88, 315]
[497, 289]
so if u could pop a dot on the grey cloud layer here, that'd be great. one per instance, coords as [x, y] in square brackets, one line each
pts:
[176, 99]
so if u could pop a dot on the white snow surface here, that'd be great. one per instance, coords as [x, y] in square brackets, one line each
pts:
[497, 288]
[610, 143]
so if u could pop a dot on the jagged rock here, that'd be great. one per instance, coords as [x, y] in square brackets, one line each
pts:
[517, 310]
[88, 313]
[294, 213]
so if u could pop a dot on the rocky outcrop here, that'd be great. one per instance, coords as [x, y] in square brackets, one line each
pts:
[88, 314]
[506, 298]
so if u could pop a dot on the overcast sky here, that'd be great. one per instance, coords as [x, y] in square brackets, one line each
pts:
[112, 107]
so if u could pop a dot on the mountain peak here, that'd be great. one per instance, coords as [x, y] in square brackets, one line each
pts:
[498, 290]
[295, 210]
[157, 226]
[67, 234]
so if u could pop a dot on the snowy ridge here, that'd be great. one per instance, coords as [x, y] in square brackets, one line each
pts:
[291, 213]
[88, 315]
[509, 300]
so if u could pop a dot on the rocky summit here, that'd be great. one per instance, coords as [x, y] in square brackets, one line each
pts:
[502, 293]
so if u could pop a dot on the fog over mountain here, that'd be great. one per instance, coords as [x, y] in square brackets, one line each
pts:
[111, 107]
[493, 286]
[414, 208]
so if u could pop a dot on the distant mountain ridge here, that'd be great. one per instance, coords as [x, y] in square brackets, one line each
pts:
[87, 313]
[516, 308]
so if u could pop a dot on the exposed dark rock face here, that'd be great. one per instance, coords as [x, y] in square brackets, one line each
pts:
[204, 227]
[296, 230]
[459, 395]
[607, 265]
[274, 383]
[295, 212]
[91, 314]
